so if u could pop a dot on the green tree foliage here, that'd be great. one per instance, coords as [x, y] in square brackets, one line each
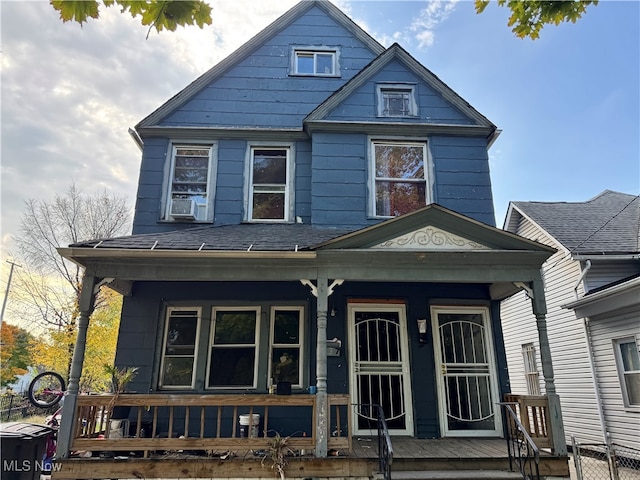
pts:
[529, 16]
[15, 355]
[158, 14]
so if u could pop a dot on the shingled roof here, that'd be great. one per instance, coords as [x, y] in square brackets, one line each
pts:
[244, 237]
[606, 224]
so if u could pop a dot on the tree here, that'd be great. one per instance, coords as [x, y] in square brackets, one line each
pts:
[158, 14]
[15, 355]
[53, 353]
[528, 17]
[48, 286]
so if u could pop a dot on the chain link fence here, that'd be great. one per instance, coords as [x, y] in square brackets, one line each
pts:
[601, 461]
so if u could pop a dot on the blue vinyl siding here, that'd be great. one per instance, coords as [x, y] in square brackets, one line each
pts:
[259, 92]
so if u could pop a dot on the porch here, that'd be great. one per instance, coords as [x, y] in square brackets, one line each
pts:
[198, 436]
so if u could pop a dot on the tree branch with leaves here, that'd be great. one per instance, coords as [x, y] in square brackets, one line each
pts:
[158, 14]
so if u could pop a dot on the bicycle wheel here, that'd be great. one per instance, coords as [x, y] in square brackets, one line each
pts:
[46, 389]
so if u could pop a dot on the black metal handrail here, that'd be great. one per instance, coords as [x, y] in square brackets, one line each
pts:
[522, 449]
[385, 449]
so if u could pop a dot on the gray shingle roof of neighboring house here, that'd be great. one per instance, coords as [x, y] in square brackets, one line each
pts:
[606, 224]
[257, 237]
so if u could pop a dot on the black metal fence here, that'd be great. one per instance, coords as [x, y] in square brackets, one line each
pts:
[15, 407]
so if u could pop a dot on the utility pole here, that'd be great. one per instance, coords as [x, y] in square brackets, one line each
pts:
[6, 293]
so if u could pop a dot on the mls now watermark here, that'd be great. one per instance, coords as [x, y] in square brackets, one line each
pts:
[44, 466]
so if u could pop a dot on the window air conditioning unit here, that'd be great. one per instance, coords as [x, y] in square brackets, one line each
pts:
[183, 209]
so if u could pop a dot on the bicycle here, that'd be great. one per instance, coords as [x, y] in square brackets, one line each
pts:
[46, 390]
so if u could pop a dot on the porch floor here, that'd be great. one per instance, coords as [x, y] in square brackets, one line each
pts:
[409, 454]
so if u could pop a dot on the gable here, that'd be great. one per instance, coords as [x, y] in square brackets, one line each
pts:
[437, 105]
[253, 87]
[362, 104]
[434, 228]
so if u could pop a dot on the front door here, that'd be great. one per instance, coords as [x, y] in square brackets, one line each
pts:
[379, 362]
[466, 373]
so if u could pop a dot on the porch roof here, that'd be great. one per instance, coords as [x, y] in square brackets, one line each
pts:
[432, 244]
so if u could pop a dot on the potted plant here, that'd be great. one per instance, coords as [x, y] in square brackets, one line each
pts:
[120, 378]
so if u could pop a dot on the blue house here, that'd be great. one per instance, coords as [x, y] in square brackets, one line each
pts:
[314, 218]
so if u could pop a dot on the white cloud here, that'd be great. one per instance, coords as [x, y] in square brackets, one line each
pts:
[425, 24]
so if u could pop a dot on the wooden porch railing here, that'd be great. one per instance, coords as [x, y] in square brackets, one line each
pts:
[533, 412]
[205, 423]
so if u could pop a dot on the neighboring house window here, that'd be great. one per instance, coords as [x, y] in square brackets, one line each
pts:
[315, 61]
[286, 345]
[628, 362]
[234, 347]
[180, 347]
[270, 184]
[190, 185]
[531, 369]
[397, 100]
[399, 182]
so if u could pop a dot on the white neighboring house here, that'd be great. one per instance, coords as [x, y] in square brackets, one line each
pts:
[592, 286]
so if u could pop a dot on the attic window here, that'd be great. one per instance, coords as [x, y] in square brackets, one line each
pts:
[315, 61]
[396, 100]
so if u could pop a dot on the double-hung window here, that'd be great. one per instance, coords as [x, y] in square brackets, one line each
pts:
[233, 358]
[182, 329]
[396, 100]
[286, 345]
[399, 183]
[270, 189]
[628, 362]
[190, 196]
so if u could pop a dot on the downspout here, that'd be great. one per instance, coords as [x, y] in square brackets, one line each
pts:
[592, 364]
[596, 389]
[587, 267]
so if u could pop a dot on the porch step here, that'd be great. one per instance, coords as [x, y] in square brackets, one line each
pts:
[455, 475]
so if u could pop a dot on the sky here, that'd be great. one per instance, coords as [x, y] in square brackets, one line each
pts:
[568, 104]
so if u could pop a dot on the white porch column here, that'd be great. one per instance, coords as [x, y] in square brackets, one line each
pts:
[85, 304]
[539, 306]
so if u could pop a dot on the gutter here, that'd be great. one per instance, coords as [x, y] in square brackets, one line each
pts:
[136, 138]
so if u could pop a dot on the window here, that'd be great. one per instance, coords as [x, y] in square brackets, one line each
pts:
[396, 100]
[180, 347]
[628, 362]
[399, 184]
[234, 347]
[314, 61]
[286, 345]
[531, 374]
[270, 188]
[189, 189]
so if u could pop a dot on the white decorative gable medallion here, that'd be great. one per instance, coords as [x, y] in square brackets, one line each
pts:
[431, 238]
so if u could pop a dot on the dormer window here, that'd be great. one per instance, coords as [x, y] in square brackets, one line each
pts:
[396, 100]
[315, 61]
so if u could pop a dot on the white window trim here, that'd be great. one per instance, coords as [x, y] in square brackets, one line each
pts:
[617, 342]
[428, 173]
[300, 345]
[195, 352]
[211, 179]
[210, 346]
[413, 105]
[314, 49]
[289, 191]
